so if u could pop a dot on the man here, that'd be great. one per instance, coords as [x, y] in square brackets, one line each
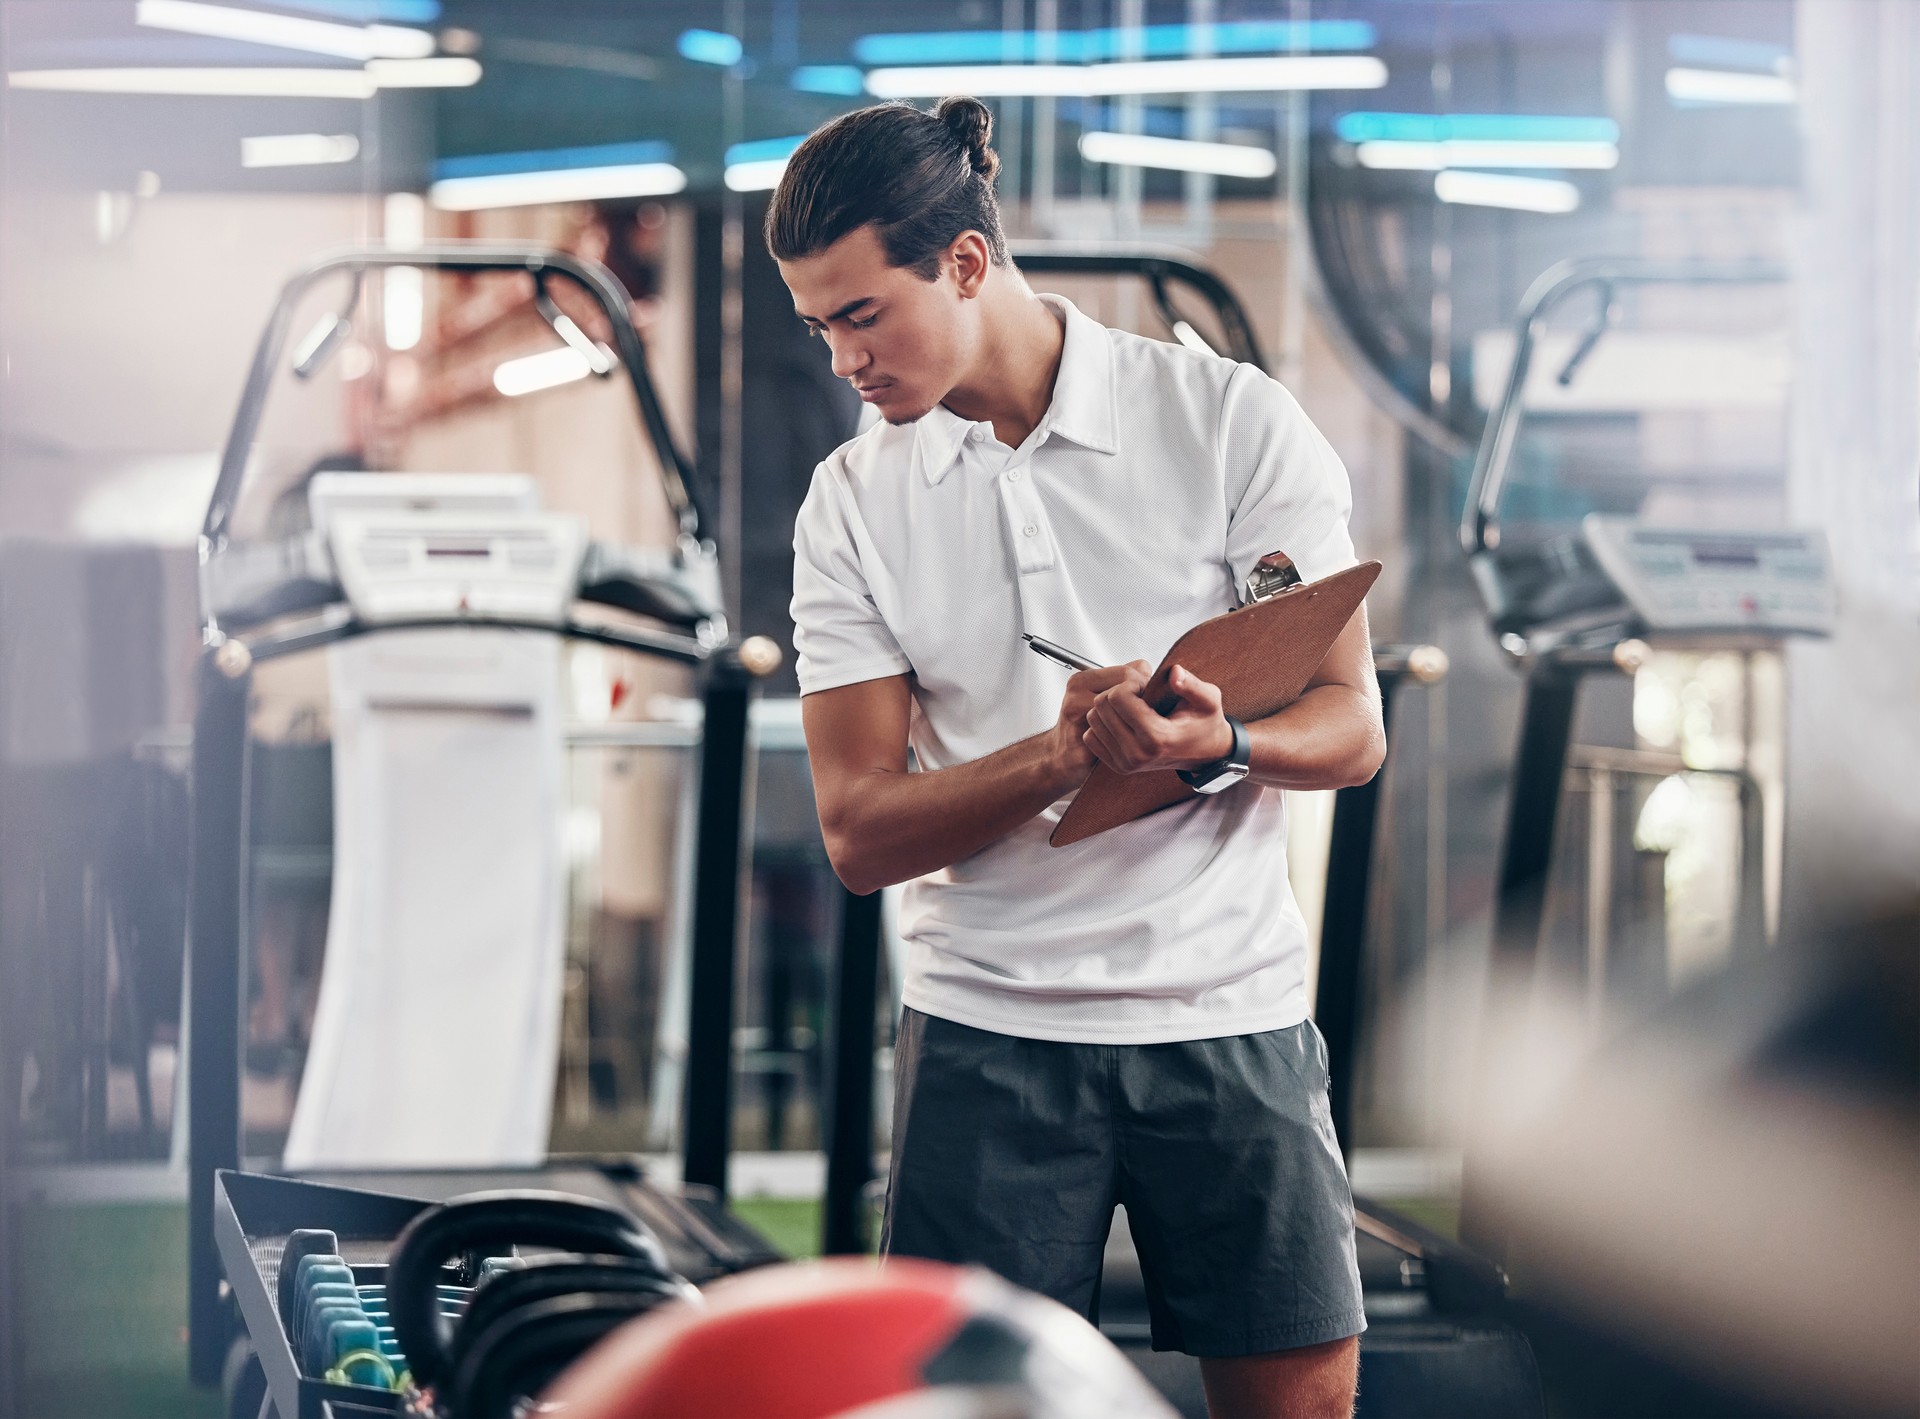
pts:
[1122, 1020]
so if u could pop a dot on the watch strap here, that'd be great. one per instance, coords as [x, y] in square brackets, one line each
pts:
[1239, 755]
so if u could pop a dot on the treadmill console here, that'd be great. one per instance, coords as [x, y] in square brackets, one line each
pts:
[448, 547]
[1695, 580]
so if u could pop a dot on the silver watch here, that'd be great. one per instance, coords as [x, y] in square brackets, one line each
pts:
[1223, 773]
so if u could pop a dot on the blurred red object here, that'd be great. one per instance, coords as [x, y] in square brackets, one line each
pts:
[816, 1339]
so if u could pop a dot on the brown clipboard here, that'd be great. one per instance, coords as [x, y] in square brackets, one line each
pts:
[1260, 655]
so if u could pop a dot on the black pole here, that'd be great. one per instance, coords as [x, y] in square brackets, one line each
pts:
[9, 1116]
[1519, 907]
[216, 995]
[1340, 986]
[856, 987]
[719, 882]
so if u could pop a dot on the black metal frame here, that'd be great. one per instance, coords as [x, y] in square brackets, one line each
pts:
[849, 1103]
[1340, 984]
[1156, 266]
[217, 888]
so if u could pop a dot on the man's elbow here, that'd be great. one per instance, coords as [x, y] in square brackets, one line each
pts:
[1368, 757]
[852, 863]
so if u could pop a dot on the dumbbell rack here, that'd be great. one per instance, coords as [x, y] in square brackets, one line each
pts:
[252, 1215]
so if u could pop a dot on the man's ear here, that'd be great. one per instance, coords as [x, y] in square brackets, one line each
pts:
[968, 258]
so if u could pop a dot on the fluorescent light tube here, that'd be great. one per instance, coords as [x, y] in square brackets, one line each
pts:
[224, 83]
[284, 31]
[1728, 87]
[1095, 45]
[710, 47]
[403, 306]
[761, 175]
[446, 72]
[292, 150]
[403, 289]
[1170, 76]
[524, 189]
[1181, 155]
[1395, 155]
[547, 370]
[1499, 189]
[1365, 126]
[843, 79]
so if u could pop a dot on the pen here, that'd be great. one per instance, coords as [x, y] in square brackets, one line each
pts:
[1060, 655]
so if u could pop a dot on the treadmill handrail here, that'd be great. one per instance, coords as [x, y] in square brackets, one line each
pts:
[676, 468]
[1480, 518]
[1153, 264]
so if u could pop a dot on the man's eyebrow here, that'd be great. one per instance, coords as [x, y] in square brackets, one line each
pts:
[848, 309]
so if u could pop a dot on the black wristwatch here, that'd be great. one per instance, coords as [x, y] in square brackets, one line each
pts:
[1223, 773]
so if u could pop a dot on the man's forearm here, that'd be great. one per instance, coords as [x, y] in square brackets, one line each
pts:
[1331, 737]
[902, 825]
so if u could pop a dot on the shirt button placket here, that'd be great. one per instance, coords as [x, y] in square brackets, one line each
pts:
[1033, 542]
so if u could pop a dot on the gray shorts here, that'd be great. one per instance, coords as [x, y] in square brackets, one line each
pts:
[1012, 1153]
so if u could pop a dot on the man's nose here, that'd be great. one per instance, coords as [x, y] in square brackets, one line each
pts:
[848, 358]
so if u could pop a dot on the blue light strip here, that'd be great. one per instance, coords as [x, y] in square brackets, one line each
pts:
[604, 155]
[762, 150]
[1720, 52]
[842, 79]
[710, 47]
[386, 12]
[1094, 46]
[1474, 128]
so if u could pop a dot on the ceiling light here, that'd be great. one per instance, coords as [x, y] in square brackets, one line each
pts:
[547, 370]
[1092, 46]
[1392, 155]
[446, 72]
[597, 155]
[1726, 52]
[756, 166]
[284, 31]
[1499, 189]
[1170, 76]
[842, 79]
[710, 47]
[291, 150]
[761, 175]
[1181, 155]
[403, 292]
[525, 189]
[226, 82]
[1363, 126]
[406, 12]
[1726, 86]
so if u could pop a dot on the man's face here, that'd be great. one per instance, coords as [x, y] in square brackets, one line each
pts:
[901, 341]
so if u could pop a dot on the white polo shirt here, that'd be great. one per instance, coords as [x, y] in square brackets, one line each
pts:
[1157, 478]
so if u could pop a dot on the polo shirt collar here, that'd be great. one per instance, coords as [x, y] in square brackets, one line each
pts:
[1083, 407]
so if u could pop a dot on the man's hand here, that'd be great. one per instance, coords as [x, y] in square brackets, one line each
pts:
[1068, 746]
[1126, 735]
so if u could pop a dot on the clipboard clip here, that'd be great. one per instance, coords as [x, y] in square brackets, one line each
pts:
[1270, 576]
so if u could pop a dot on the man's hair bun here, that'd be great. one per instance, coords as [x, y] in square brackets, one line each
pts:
[971, 122]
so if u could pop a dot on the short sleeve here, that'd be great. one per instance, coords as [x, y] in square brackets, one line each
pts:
[839, 636]
[1286, 488]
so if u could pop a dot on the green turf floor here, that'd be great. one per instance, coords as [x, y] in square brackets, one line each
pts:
[102, 1310]
[791, 1224]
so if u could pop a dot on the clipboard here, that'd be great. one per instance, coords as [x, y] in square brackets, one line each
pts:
[1260, 655]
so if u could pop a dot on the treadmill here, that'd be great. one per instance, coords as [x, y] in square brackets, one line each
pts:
[444, 565]
[1437, 1344]
[1564, 605]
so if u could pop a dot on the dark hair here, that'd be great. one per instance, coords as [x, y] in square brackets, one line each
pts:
[918, 178]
